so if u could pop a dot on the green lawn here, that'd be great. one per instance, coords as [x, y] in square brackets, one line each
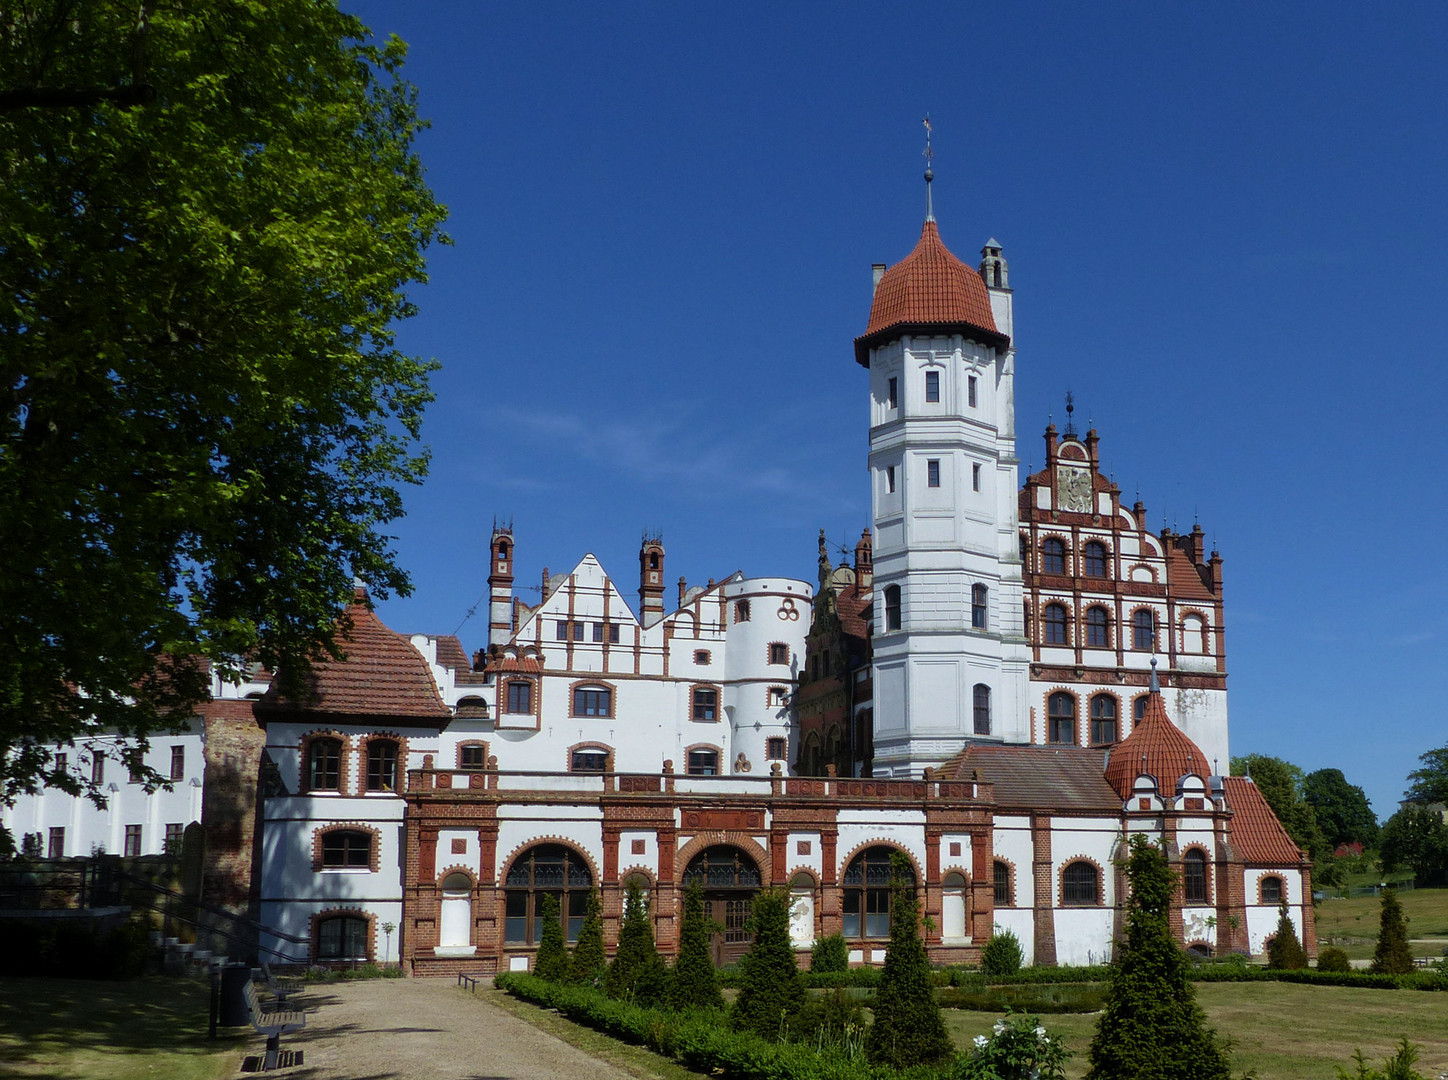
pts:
[74, 1029]
[1282, 1031]
[1352, 925]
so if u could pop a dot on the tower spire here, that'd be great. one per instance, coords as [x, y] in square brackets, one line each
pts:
[929, 171]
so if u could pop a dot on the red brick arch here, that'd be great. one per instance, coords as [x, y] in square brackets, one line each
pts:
[743, 841]
[564, 841]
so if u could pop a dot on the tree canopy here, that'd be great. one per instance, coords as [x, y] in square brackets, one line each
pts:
[1281, 784]
[1342, 809]
[209, 218]
[1416, 839]
[1430, 783]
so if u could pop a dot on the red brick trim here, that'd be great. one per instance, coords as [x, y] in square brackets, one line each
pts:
[703, 657]
[769, 653]
[1129, 623]
[364, 744]
[1065, 604]
[1202, 647]
[1128, 571]
[374, 855]
[719, 750]
[636, 868]
[473, 742]
[343, 760]
[1068, 553]
[1046, 711]
[1088, 717]
[535, 696]
[714, 838]
[1204, 943]
[1010, 878]
[592, 744]
[718, 702]
[593, 684]
[535, 841]
[1280, 877]
[882, 842]
[1061, 882]
[1111, 628]
[458, 868]
[807, 871]
[314, 932]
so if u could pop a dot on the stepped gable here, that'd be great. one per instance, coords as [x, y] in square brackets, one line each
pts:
[381, 675]
[1156, 747]
[1029, 777]
[1256, 834]
[929, 290]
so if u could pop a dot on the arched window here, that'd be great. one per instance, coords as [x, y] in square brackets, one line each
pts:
[343, 937]
[1194, 634]
[892, 607]
[347, 849]
[324, 765]
[471, 708]
[455, 925]
[1272, 891]
[1053, 556]
[502, 549]
[382, 765]
[1003, 894]
[1143, 629]
[541, 871]
[1057, 625]
[981, 704]
[703, 761]
[979, 596]
[1080, 884]
[1061, 718]
[953, 907]
[592, 701]
[722, 867]
[1098, 628]
[867, 894]
[1103, 720]
[1138, 708]
[1095, 559]
[589, 759]
[1194, 877]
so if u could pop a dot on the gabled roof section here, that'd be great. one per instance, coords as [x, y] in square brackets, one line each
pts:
[1156, 747]
[929, 290]
[381, 674]
[1255, 832]
[1038, 777]
[589, 573]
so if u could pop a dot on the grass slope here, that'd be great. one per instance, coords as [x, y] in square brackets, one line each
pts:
[1352, 925]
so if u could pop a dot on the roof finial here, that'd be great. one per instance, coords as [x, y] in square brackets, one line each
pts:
[1070, 408]
[1155, 686]
[929, 172]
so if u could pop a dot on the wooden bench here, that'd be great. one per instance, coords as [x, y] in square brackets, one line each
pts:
[279, 986]
[272, 1019]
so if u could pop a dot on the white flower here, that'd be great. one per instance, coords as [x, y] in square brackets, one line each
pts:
[1040, 1033]
[981, 1042]
[999, 1027]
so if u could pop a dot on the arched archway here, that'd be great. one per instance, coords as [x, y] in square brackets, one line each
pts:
[730, 879]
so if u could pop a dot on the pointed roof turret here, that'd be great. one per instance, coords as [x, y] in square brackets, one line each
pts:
[1156, 747]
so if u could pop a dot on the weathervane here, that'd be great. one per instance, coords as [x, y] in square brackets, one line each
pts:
[929, 154]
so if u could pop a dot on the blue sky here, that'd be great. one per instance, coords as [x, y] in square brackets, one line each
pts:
[1225, 225]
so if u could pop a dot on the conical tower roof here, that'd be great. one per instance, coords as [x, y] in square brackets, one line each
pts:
[1156, 747]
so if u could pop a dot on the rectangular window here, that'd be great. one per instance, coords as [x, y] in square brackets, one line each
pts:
[981, 704]
[703, 762]
[56, 848]
[975, 477]
[598, 631]
[889, 479]
[970, 391]
[62, 763]
[98, 767]
[705, 704]
[473, 756]
[894, 392]
[701, 656]
[778, 653]
[347, 849]
[135, 772]
[892, 607]
[562, 630]
[979, 600]
[776, 748]
[932, 386]
[613, 633]
[592, 701]
[741, 611]
[133, 840]
[778, 696]
[382, 765]
[590, 760]
[175, 835]
[932, 473]
[178, 763]
[520, 697]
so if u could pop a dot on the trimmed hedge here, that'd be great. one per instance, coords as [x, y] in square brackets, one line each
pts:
[700, 1039]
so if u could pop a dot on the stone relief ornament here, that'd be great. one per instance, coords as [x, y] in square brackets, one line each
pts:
[741, 764]
[1073, 489]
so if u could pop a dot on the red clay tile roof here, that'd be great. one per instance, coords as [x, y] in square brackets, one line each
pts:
[929, 287]
[855, 610]
[450, 653]
[381, 675]
[1157, 747]
[1182, 576]
[1255, 832]
[1048, 777]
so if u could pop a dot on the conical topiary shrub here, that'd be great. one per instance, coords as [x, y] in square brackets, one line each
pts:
[1152, 1027]
[636, 962]
[552, 960]
[908, 1029]
[695, 983]
[770, 989]
[589, 963]
[1284, 951]
[1392, 956]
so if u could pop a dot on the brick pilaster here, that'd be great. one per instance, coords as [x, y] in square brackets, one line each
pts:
[982, 886]
[1045, 890]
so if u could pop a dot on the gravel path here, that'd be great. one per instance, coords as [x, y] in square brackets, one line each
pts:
[422, 1028]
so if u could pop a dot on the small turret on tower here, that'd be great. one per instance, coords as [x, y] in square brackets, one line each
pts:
[500, 584]
[651, 579]
[997, 277]
[864, 562]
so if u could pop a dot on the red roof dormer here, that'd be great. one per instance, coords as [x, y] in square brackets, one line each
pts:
[1156, 747]
[929, 290]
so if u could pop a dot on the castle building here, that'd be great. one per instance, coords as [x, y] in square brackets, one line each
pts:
[1006, 683]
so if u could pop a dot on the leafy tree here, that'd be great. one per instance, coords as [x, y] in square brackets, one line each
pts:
[1416, 839]
[1342, 809]
[830, 954]
[1002, 954]
[1430, 783]
[1284, 951]
[907, 1029]
[695, 982]
[552, 960]
[589, 963]
[636, 953]
[209, 218]
[770, 989]
[1392, 955]
[1281, 784]
[1152, 1027]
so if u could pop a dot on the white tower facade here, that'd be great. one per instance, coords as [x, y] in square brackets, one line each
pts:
[950, 653]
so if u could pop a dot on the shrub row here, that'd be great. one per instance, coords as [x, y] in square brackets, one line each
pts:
[1062, 998]
[699, 1039]
[1368, 980]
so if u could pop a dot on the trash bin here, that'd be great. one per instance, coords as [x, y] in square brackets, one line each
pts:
[233, 1010]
